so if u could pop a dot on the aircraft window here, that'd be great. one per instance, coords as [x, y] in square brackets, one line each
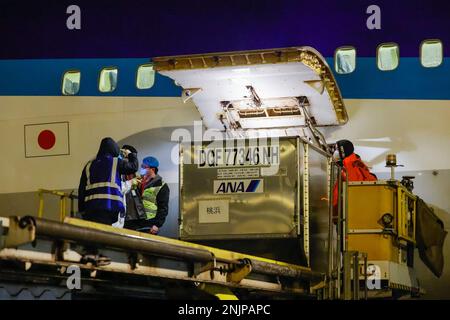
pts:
[431, 52]
[108, 79]
[145, 76]
[345, 60]
[388, 55]
[71, 83]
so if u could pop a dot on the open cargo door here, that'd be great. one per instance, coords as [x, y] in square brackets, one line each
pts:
[279, 90]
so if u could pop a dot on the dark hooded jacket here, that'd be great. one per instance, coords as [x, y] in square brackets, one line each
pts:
[108, 147]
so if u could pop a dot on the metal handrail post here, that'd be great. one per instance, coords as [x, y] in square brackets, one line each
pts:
[365, 276]
[41, 204]
[355, 275]
[343, 232]
[347, 283]
[331, 233]
[338, 234]
[72, 211]
[345, 210]
[61, 208]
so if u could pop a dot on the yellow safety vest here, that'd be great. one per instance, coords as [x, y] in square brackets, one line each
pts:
[149, 200]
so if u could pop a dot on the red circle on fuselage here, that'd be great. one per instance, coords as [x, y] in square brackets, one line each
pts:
[46, 139]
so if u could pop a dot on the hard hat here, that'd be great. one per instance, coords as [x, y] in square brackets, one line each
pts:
[151, 162]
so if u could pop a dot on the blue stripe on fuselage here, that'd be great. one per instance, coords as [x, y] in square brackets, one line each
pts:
[409, 81]
[43, 78]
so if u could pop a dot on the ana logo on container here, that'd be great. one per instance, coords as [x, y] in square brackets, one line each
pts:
[238, 186]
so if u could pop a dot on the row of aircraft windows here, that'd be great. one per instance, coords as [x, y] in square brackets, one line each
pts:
[388, 57]
[107, 82]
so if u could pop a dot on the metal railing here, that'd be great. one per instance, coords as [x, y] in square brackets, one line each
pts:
[344, 265]
[63, 197]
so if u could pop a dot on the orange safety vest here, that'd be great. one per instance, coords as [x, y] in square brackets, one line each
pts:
[357, 171]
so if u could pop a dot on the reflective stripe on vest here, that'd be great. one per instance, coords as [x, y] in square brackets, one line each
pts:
[149, 200]
[104, 196]
[102, 184]
[110, 184]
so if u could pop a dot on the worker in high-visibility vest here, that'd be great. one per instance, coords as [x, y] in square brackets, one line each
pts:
[155, 198]
[100, 197]
[356, 170]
